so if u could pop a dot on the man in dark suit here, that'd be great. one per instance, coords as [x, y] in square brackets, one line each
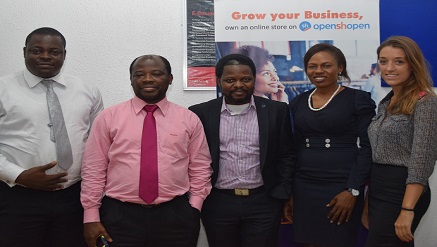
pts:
[250, 142]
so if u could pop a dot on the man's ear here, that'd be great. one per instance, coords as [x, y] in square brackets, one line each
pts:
[171, 79]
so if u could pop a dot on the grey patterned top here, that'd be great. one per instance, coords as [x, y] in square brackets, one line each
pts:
[406, 140]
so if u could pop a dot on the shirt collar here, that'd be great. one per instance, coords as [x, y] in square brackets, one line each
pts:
[225, 107]
[33, 80]
[139, 104]
[387, 97]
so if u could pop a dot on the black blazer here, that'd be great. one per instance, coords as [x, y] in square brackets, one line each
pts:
[275, 142]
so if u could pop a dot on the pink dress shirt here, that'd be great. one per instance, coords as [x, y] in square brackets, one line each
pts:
[111, 162]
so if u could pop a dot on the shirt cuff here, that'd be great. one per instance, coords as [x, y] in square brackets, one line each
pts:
[10, 172]
[196, 202]
[91, 215]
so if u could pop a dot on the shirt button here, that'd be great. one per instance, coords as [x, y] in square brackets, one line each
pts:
[327, 145]
[327, 140]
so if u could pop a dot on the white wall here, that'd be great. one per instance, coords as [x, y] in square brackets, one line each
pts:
[103, 37]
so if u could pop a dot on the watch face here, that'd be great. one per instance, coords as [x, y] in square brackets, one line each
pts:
[354, 192]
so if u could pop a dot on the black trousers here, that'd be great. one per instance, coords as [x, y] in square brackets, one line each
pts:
[174, 223]
[241, 221]
[386, 193]
[40, 218]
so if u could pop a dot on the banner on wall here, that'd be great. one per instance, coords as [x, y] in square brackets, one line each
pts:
[287, 29]
[199, 47]
[241, 20]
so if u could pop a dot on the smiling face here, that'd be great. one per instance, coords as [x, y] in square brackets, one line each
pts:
[323, 69]
[395, 69]
[266, 80]
[44, 55]
[237, 84]
[150, 79]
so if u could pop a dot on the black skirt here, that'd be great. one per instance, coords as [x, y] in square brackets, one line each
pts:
[386, 193]
[322, 173]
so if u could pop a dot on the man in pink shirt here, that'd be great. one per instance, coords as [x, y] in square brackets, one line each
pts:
[111, 166]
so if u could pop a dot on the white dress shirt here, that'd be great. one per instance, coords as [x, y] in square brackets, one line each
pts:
[24, 118]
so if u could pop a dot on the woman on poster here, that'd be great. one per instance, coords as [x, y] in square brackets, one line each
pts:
[267, 82]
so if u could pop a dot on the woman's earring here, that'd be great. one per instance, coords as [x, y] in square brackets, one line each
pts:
[339, 74]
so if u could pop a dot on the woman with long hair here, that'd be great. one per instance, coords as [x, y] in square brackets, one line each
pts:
[267, 82]
[403, 137]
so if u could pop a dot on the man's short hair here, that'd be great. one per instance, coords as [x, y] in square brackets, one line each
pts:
[166, 62]
[46, 31]
[234, 59]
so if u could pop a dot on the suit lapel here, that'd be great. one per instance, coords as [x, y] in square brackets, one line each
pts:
[214, 129]
[263, 123]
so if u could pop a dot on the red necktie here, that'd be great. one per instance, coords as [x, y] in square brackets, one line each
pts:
[149, 157]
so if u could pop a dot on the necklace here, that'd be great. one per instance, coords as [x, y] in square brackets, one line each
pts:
[327, 102]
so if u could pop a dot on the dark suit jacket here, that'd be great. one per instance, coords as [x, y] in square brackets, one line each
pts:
[275, 142]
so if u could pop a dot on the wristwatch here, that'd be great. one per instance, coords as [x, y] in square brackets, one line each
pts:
[354, 192]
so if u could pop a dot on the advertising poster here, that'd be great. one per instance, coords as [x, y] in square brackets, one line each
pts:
[287, 29]
[199, 48]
